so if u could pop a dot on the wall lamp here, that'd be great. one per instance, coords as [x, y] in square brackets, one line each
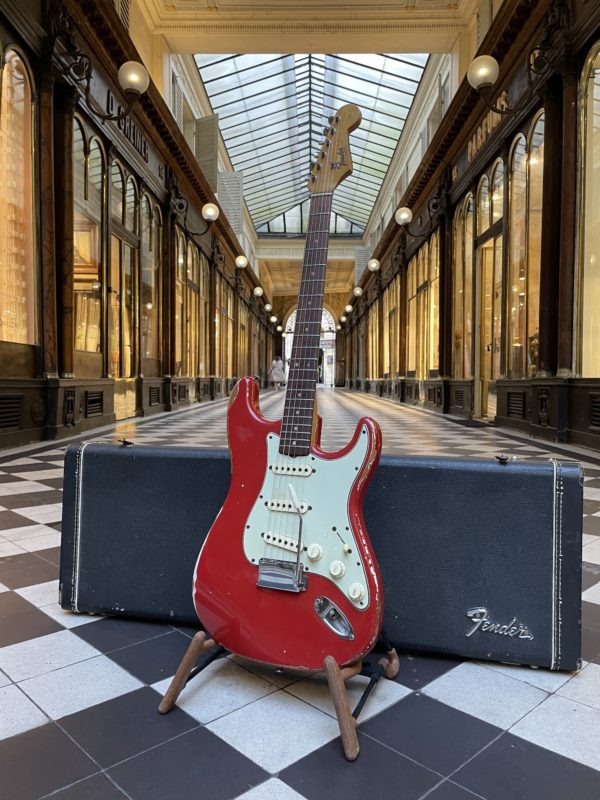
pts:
[483, 73]
[357, 291]
[268, 307]
[348, 309]
[373, 265]
[241, 261]
[210, 213]
[258, 291]
[404, 215]
[132, 76]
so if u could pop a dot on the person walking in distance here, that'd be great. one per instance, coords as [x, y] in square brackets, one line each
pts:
[277, 372]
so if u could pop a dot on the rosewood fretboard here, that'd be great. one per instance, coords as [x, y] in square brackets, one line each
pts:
[298, 413]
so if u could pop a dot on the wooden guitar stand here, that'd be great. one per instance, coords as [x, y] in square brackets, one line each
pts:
[387, 666]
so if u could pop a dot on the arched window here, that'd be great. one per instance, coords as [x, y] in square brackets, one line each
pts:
[151, 243]
[497, 191]
[180, 278]
[88, 176]
[117, 189]
[589, 220]
[17, 268]
[131, 206]
[517, 260]
[535, 166]
[468, 287]
[457, 295]
[483, 205]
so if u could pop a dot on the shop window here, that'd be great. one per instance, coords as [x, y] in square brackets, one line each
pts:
[192, 305]
[180, 318]
[535, 165]
[524, 251]
[589, 267]
[17, 268]
[497, 204]
[131, 207]
[151, 249]
[391, 342]
[88, 176]
[483, 205]
[204, 321]
[411, 339]
[423, 311]
[433, 357]
[457, 295]
[462, 346]
[117, 188]
[373, 342]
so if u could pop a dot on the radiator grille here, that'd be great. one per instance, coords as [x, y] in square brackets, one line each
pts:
[154, 395]
[11, 411]
[459, 398]
[93, 404]
[181, 391]
[431, 394]
[516, 405]
[595, 410]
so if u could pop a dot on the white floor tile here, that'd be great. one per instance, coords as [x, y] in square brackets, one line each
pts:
[18, 462]
[79, 686]
[591, 552]
[276, 730]
[541, 678]
[16, 535]
[44, 542]
[584, 687]
[565, 727]
[41, 594]
[39, 475]
[67, 618]
[278, 677]
[591, 493]
[44, 654]
[273, 789]
[586, 538]
[17, 713]
[45, 514]
[486, 694]
[23, 487]
[221, 688]
[592, 595]
[316, 692]
[4, 679]
[9, 549]
[4, 588]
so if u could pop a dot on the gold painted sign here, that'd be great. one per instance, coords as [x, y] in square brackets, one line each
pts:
[128, 128]
[484, 131]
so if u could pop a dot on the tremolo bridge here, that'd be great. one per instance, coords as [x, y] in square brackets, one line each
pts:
[287, 576]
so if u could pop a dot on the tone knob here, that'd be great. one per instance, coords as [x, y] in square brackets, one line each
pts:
[337, 569]
[314, 552]
[356, 592]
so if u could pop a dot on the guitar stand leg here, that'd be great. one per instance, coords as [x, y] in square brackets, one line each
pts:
[199, 644]
[387, 667]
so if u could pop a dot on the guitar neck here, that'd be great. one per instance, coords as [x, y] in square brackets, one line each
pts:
[299, 409]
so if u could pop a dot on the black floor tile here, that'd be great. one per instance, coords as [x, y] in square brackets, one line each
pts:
[326, 773]
[416, 671]
[39, 762]
[21, 500]
[590, 575]
[52, 554]
[26, 569]
[590, 506]
[513, 769]
[20, 620]
[590, 645]
[55, 483]
[591, 616]
[590, 525]
[154, 659]
[197, 764]
[7, 479]
[51, 496]
[111, 633]
[10, 519]
[437, 736]
[125, 726]
[450, 791]
[98, 787]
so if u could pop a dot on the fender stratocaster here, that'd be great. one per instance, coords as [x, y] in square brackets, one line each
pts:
[287, 574]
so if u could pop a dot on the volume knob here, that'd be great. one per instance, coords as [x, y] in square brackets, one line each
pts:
[356, 592]
[314, 552]
[337, 569]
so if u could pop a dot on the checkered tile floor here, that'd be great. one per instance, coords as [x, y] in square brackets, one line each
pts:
[78, 694]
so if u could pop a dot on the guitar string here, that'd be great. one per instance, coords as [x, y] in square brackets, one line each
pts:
[298, 385]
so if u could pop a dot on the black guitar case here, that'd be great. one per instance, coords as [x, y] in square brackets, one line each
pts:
[479, 558]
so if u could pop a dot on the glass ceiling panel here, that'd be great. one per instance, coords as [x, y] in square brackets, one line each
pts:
[272, 109]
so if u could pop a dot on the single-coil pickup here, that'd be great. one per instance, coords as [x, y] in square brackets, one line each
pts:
[277, 540]
[282, 505]
[290, 469]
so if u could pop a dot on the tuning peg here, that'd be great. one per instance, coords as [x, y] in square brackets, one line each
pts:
[330, 119]
[313, 178]
[321, 154]
[326, 131]
[312, 164]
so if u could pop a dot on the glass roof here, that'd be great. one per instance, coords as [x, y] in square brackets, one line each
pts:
[272, 109]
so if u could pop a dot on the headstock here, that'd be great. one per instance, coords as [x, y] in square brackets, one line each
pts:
[334, 162]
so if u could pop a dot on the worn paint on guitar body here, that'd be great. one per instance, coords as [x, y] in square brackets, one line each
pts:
[279, 627]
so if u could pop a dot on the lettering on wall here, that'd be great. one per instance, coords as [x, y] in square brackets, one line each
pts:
[128, 127]
[488, 125]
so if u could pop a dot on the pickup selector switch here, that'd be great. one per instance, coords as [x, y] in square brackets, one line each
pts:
[337, 569]
[356, 592]
[314, 552]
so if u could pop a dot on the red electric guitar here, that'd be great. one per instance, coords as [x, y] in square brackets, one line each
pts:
[287, 575]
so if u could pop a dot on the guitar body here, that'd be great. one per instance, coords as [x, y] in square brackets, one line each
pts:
[248, 603]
